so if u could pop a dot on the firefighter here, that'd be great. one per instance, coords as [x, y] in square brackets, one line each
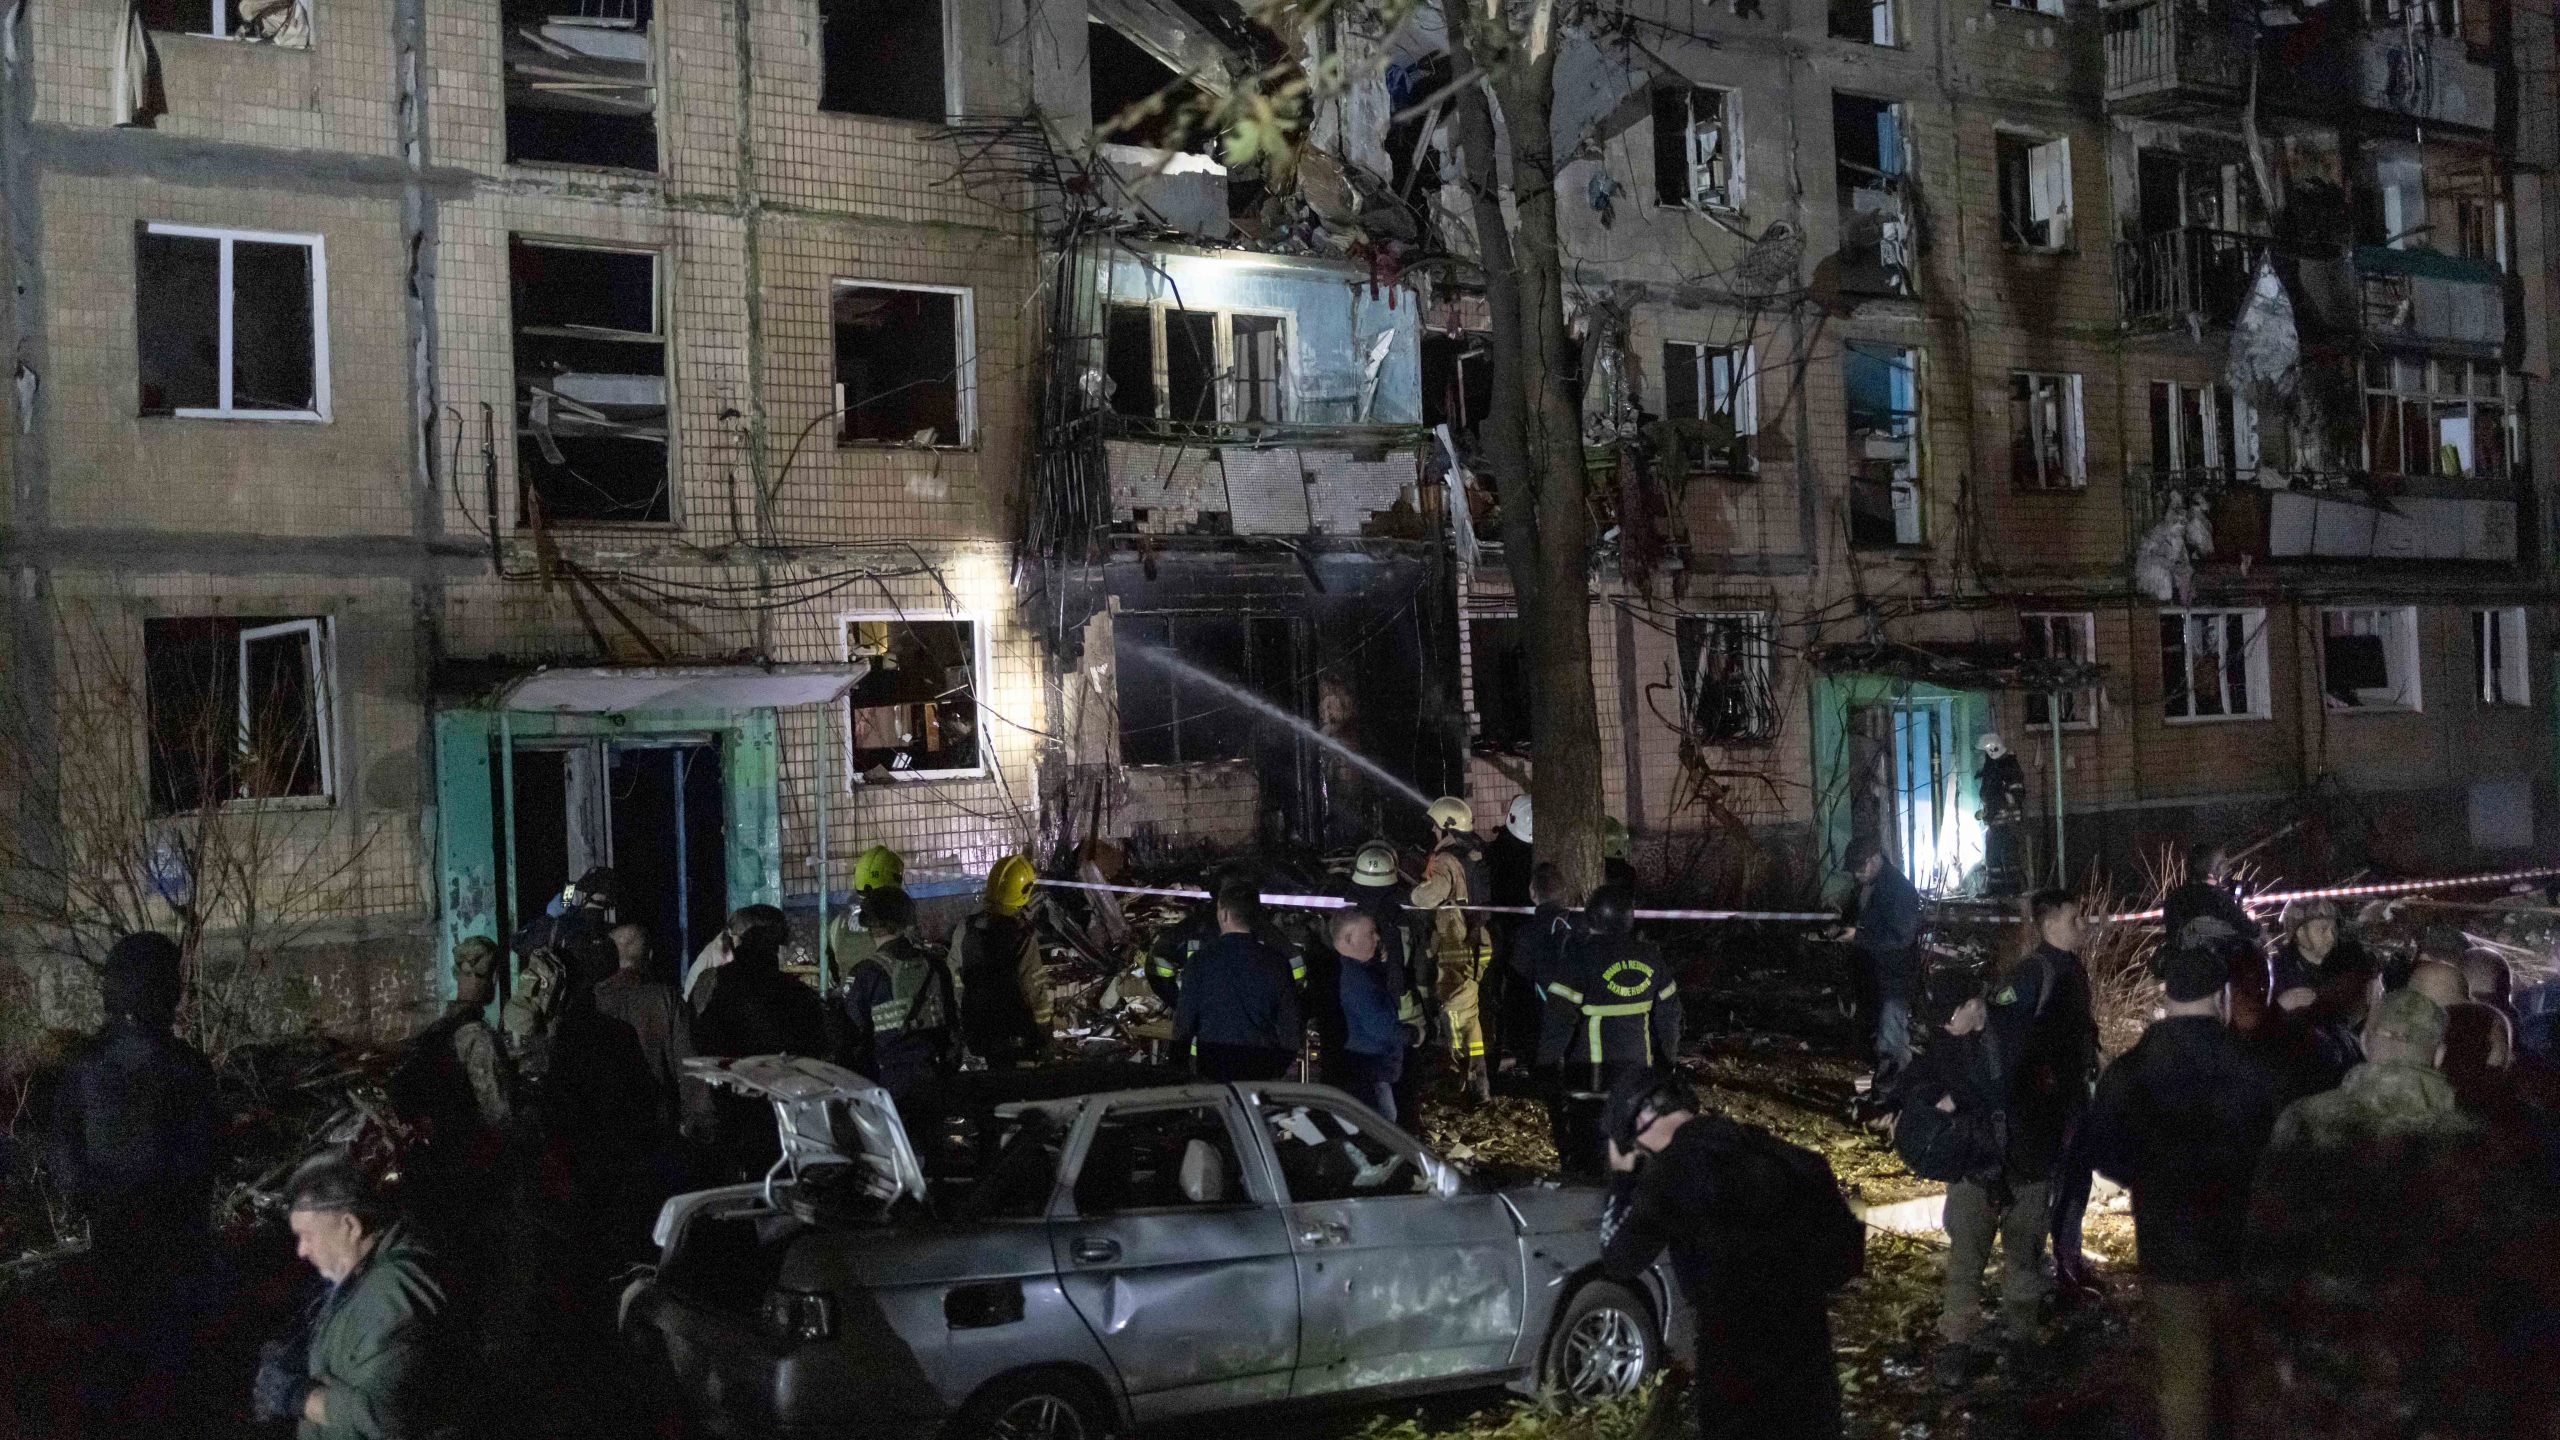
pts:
[1459, 950]
[1004, 988]
[1622, 1005]
[850, 939]
[900, 1009]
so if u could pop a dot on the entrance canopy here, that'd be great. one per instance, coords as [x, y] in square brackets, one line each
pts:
[620, 689]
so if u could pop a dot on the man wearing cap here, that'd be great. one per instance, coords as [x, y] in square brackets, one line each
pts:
[2180, 1120]
[2398, 1091]
[2002, 784]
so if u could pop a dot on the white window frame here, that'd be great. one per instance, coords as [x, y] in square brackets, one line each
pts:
[226, 300]
[2086, 701]
[1703, 196]
[2498, 653]
[1759, 629]
[2253, 635]
[1742, 363]
[2075, 437]
[2207, 400]
[316, 655]
[220, 11]
[1222, 357]
[2397, 626]
[981, 656]
[1911, 473]
[964, 315]
[2048, 189]
[2432, 392]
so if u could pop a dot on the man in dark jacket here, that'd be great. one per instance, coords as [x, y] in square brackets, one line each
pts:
[1542, 957]
[1693, 1184]
[378, 1362]
[2206, 891]
[1371, 1053]
[458, 1086]
[1887, 937]
[900, 1009]
[1622, 1010]
[1238, 1016]
[2180, 1120]
[755, 1009]
[617, 1088]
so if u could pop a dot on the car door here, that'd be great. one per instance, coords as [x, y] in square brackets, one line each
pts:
[1396, 1283]
[1174, 1252]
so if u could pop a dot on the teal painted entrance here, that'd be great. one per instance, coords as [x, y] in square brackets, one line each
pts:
[1895, 759]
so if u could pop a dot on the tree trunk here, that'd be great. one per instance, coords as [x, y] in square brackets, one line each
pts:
[1533, 436]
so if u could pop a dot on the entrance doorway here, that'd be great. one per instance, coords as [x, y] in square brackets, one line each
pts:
[1904, 791]
[653, 810]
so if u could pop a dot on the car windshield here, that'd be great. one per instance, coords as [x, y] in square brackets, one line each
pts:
[1325, 1155]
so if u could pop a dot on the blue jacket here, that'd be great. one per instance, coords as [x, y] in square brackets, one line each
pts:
[1369, 1022]
[1238, 991]
[1889, 919]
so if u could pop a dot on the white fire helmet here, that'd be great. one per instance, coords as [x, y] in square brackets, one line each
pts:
[1518, 822]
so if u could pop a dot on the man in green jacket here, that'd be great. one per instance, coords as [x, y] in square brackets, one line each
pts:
[375, 1363]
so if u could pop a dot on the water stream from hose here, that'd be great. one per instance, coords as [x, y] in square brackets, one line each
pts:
[1166, 660]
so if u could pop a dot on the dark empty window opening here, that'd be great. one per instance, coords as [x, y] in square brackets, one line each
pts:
[1696, 146]
[902, 365]
[1498, 675]
[1868, 21]
[1871, 164]
[230, 324]
[1724, 664]
[1457, 381]
[1712, 385]
[884, 58]
[1129, 359]
[1140, 100]
[239, 710]
[258, 22]
[2035, 191]
[1170, 716]
[591, 384]
[914, 716]
[582, 83]
[1190, 365]
[1196, 366]
[1883, 392]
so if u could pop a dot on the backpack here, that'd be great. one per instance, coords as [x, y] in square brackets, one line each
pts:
[535, 1000]
[1936, 1145]
[1811, 1230]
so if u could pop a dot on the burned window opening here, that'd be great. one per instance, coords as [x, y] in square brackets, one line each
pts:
[1457, 382]
[2047, 450]
[230, 324]
[903, 363]
[2369, 658]
[1724, 670]
[914, 716]
[1168, 717]
[1872, 167]
[1697, 146]
[2456, 419]
[885, 58]
[1127, 84]
[1867, 21]
[285, 23]
[1196, 366]
[591, 387]
[581, 83]
[2035, 191]
[2202, 432]
[1883, 390]
[1498, 685]
[2060, 637]
[1716, 383]
[238, 710]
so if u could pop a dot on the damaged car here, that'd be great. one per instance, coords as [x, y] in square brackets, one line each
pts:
[1098, 1261]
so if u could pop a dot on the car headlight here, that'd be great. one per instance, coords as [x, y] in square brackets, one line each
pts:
[800, 1315]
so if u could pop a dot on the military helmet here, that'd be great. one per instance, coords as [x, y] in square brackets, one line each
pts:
[1375, 866]
[1009, 885]
[475, 955]
[879, 868]
[1614, 839]
[1451, 813]
[1517, 821]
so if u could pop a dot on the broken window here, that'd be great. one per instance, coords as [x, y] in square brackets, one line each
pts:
[2213, 664]
[2046, 443]
[1870, 21]
[239, 710]
[1872, 164]
[1137, 99]
[883, 57]
[1724, 668]
[2067, 636]
[2499, 657]
[257, 22]
[2201, 432]
[1196, 365]
[914, 714]
[1885, 443]
[591, 383]
[1697, 146]
[1716, 383]
[2035, 191]
[2369, 658]
[1156, 1160]
[2475, 225]
[1498, 683]
[2452, 418]
[903, 365]
[1199, 711]
[2177, 191]
[582, 83]
[1457, 381]
[2395, 200]
[230, 324]
[2434, 17]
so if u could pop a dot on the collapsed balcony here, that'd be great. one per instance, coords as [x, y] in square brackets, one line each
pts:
[582, 83]
[2166, 278]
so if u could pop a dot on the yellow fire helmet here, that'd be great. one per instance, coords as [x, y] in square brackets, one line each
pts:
[879, 868]
[1009, 885]
[1614, 839]
[1451, 813]
[1375, 866]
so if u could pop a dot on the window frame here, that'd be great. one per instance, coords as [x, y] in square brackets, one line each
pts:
[1882, 15]
[2501, 660]
[2255, 665]
[2016, 229]
[2032, 7]
[2428, 401]
[2075, 432]
[226, 307]
[1222, 359]
[1359, 1118]
[951, 97]
[1759, 630]
[980, 663]
[1692, 195]
[1912, 429]
[2089, 700]
[1742, 364]
[1477, 740]
[2216, 426]
[1257, 1192]
[659, 336]
[965, 346]
[320, 655]
[2402, 658]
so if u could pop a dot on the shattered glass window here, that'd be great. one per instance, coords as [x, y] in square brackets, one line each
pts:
[238, 710]
[582, 83]
[2045, 447]
[2035, 191]
[902, 365]
[2070, 635]
[1326, 1154]
[1882, 385]
[265, 22]
[2454, 419]
[1185, 683]
[1261, 369]
[1191, 365]
[1718, 383]
[591, 386]
[1129, 360]
[2213, 664]
[1173, 1159]
[914, 715]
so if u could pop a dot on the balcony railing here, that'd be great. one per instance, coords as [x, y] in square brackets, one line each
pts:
[2423, 298]
[2163, 52]
[2340, 517]
[2162, 279]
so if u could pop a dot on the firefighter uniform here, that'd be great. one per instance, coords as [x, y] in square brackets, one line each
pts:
[901, 1016]
[1619, 1011]
[1460, 950]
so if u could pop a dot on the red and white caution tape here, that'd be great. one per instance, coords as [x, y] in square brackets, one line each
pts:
[2269, 899]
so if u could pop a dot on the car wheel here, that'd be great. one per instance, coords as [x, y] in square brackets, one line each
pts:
[1604, 1344]
[1040, 1405]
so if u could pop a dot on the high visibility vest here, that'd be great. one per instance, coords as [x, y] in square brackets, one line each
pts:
[1620, 1006]
[908, 1006]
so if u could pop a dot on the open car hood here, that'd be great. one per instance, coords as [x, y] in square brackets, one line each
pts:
[829, 1119]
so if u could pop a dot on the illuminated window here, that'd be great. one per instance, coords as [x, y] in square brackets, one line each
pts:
[914, 714]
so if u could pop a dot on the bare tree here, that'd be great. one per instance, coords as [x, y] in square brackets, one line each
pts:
[172, 798]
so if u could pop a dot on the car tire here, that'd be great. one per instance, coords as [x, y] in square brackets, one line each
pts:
[1604, 1345]
[1034, 1405]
